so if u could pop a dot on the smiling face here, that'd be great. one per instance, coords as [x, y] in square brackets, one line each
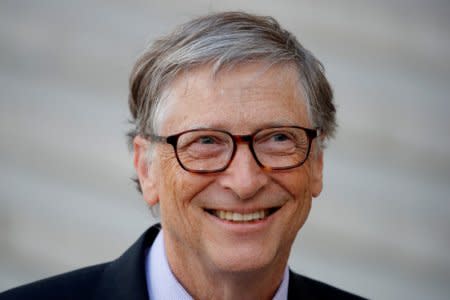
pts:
[244, 218]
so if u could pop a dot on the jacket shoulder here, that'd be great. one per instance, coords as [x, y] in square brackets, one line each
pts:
[121, 279]
[78, 284]
[301, 287]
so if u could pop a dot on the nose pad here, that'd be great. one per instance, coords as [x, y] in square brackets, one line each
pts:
[244, 176]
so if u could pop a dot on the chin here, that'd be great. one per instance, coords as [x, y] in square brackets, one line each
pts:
[243, 258]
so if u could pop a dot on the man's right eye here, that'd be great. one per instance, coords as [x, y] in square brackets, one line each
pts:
[206, 140]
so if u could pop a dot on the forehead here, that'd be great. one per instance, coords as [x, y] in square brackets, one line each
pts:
[239, 99]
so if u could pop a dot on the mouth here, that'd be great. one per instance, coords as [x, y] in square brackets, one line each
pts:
[236, 217]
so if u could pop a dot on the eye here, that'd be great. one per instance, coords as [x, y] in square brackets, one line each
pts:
[206, 140]
[276, 141]
[203, 141]
[195, 145]
[280, 137]
[277, 138]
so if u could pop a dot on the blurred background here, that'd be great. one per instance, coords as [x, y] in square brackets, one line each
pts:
[381, 228]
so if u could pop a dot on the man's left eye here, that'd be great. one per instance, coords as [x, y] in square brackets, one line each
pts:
[280, 137]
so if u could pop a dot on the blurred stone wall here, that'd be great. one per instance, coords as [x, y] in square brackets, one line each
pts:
[381, 227]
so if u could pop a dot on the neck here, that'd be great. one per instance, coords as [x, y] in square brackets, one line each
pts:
[206, 282]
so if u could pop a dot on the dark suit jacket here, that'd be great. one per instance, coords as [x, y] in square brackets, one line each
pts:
[124, 279]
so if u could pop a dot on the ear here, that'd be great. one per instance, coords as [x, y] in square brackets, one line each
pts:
[145, 171]
[317, 173]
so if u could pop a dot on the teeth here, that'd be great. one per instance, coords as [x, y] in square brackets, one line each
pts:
[238, 217]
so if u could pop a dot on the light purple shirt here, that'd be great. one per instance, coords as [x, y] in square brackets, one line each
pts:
[162, 284]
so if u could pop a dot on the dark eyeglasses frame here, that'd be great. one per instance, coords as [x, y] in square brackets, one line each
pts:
[248, 138]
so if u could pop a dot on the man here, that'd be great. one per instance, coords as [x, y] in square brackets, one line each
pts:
[230, 118]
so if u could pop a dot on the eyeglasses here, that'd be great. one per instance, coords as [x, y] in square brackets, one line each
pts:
[212, 150]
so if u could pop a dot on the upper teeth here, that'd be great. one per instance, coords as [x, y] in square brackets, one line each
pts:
[234, 216]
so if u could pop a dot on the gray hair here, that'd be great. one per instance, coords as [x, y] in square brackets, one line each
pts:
[223, 40]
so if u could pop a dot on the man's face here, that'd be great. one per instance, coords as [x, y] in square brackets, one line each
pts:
[240, 101]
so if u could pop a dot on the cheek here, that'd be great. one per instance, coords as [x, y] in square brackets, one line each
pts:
[171, 185]
[178, 192]
[174, 199]
[179, 187]
[296, 182]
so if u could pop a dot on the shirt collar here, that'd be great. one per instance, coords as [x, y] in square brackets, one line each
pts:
[162, 284]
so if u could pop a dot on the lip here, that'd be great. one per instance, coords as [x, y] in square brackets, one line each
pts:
[243, 227]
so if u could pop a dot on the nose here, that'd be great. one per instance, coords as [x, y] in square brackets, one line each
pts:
[244, 177]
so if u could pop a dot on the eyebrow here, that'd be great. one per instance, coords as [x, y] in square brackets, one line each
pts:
[224, 127]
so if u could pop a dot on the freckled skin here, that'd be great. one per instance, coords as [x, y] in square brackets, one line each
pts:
[225, 264]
